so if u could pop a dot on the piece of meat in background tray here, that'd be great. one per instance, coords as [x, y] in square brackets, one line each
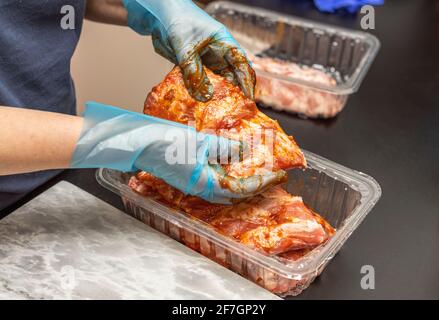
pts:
[284, 95]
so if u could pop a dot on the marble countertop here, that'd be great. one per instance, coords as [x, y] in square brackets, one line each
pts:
[67, 244]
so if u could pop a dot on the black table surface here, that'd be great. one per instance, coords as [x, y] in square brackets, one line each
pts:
[390, 130]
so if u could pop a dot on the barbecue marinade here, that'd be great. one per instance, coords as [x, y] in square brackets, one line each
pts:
[274, 222]
[229, 113]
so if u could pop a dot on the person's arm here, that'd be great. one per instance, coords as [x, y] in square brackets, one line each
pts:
[32, 140]
[118, 139]
[106, 11]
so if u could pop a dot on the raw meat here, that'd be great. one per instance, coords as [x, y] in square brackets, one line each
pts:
[229, 113]
[292, 97]
[273, 222]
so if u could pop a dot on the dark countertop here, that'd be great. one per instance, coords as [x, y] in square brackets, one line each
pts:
[390, 130]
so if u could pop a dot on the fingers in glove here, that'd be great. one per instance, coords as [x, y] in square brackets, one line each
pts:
[224, 151]
[214, 60]
[248, 187]
[243, 72]
[229, 76]
[162, 48]
[195, 78]
[229, 190]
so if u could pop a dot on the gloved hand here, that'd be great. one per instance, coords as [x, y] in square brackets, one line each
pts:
[350, 5]
[127, 141]
[186, 35]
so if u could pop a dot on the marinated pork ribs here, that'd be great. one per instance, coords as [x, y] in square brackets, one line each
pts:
[230, 114]
[274, 221]
[291, 97]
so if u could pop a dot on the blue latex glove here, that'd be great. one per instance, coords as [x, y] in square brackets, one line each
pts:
[128, 141]
[350, 5]
[188, 36]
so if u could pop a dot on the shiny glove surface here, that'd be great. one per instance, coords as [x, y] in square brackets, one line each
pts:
[186, 35]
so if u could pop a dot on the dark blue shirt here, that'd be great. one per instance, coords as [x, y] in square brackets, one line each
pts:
[35, 54]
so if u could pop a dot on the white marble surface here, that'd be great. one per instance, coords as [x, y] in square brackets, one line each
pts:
[67, 244]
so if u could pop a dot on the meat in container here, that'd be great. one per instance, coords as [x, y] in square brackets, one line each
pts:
[302, 66]
[340, 195]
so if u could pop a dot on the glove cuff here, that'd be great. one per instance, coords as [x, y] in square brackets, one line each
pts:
[163, 11]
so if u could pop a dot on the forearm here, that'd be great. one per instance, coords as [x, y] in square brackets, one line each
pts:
[106, 11]
[33, 140]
